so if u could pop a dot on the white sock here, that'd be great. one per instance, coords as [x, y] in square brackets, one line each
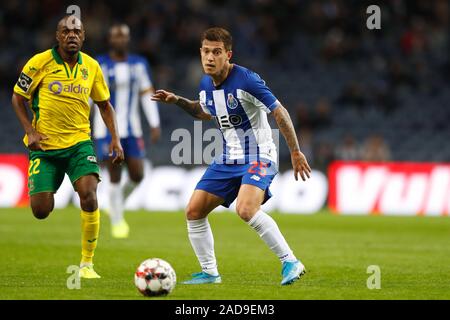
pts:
[202, 242]
[268, 230]
[115, 203]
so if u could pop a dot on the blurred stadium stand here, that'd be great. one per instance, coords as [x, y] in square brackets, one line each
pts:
[386, 89]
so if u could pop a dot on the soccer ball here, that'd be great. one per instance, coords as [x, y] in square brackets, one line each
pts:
[155, 277]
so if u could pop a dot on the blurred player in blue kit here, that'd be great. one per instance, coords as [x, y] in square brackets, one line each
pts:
[128, 78]
[239, 101]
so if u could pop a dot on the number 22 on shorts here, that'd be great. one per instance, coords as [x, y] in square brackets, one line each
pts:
[33, 168]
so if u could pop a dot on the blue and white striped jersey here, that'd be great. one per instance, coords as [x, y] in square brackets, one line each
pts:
[126, 81]
[240, 106]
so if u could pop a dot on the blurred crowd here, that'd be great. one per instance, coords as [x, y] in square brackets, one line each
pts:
[319, 58]
[372, 148]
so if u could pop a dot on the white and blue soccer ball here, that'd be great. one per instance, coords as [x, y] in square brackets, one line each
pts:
[155, 277]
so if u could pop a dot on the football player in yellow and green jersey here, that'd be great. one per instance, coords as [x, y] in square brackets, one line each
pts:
[59, 96]
[57, 85]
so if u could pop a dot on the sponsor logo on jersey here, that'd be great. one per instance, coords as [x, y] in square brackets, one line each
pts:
[227, 121]
[235, 119]
[231, 101]
[56, 87]
[255, 177]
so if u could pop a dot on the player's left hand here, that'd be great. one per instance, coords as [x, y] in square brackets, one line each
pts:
[155, 134]
[300, 165]
[116, 147]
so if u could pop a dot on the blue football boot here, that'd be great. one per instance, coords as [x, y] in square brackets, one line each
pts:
[202, 278]
[291, 272]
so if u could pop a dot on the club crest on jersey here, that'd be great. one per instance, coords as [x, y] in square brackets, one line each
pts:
[84, 73]
[231, 101]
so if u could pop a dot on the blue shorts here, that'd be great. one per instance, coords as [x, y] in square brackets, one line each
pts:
[225, 180]
[133, 147]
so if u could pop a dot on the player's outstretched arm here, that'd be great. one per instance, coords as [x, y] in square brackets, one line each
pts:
[109, 118]
[299, 162]
[191, 107]
[20, 108]
[150, 109]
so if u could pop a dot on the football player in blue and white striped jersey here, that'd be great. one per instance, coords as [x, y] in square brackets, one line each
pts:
[239, 101]
[129, 81]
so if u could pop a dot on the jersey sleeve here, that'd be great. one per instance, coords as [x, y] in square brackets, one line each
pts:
[202, 101]
[260, 94]
[202, 95]
[144, 75]
[29, 78]
[100, 91]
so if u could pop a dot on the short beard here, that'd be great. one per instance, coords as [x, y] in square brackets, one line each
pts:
[71, 52]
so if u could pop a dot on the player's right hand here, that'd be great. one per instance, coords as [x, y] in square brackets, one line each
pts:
[165, 96]
[115, 147]
[34, 140]
[300, 165]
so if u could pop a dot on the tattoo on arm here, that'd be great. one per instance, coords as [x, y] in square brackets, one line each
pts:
[286, 127]
[191, 107]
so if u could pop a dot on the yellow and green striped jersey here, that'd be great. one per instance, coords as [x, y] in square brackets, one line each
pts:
[59, 96]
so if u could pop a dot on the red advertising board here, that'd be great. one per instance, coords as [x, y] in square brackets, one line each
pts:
[13, 180]
[353, 188]
[389, 188]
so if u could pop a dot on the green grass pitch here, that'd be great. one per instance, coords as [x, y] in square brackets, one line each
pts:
[413, 254]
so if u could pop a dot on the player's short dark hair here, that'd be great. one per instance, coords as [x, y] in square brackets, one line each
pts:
[220, 35]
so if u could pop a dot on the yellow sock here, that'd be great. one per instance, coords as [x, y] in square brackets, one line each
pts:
[90, 226]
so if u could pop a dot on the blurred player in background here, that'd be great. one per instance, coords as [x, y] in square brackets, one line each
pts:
[128, 78]
[239, 101]
[57, 85]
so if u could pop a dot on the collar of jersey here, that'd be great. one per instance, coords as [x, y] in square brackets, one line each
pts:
[58, 58]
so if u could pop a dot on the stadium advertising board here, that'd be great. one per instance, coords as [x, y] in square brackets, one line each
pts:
[164, 188]
[13, 180]
[389, 188]
[352, 188]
